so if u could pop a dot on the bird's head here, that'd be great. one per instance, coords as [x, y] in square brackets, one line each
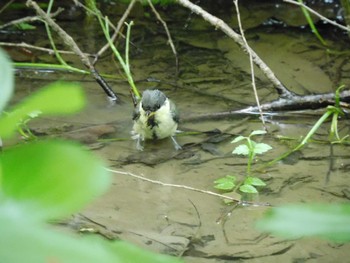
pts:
[152, 100]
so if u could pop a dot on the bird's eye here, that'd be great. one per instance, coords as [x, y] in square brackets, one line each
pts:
[158, 106]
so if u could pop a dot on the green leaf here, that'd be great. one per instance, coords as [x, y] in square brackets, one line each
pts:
[25, 26]
[260, 148]
[227, 186]
[246, 188]
[226, 178]
[57, 98]
[52, 178]
[257, 132]
[254, 181]
[330, 221]
[34, 243]
[241, 149]
[238, 139]
[6, 77]
[226, 183]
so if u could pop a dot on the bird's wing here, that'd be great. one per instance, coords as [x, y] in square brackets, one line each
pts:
[136, 112]
[174, 112]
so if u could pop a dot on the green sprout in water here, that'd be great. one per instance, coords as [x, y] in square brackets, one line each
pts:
[23, 128]
[250, 149]
[226, 183]
[335, 112]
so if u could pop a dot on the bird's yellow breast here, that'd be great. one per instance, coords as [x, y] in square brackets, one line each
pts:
[164, 124]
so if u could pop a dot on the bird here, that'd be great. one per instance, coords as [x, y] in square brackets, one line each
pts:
[155, 117]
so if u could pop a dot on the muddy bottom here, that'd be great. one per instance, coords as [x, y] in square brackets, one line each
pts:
[214, 76]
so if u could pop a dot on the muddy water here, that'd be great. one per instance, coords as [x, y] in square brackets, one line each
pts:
[214, 77]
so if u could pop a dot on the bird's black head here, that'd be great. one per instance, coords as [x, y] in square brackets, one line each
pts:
[152, 100]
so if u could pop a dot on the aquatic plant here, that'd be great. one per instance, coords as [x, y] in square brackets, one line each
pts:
[124, 62]
[331, 111]
[329, 221]
[250, 149]
[312, 24]
[23, 128]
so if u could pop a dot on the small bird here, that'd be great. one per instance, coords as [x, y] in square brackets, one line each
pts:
[155, 117]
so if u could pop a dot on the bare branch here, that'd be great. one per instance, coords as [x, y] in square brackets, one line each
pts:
[240, 202]
[48, 50]
[29, 19]
[319, 15]
[218, 23]
[116, 31]
[250, 62]
[314, 101]
[296, 102]
[6, 5]
[171, 43]
[69, 41]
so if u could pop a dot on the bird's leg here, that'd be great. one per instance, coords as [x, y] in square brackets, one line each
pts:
[176, 145]
[139, 141]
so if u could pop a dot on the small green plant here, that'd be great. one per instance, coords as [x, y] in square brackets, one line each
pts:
[23, 128]
[124, 62]
[332, 111]
[250, 149]
[329, 221]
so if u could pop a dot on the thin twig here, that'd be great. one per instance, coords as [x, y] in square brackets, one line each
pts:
[312, 24]
[19, 21]
[240, 202]
[6, 5]
[89, 10]
[250, 62]
[69, 41]
[123, 62]
[48, 50]
[346, 28]
[171, 43]
[116, 30]
[30, 19]
[218, 23]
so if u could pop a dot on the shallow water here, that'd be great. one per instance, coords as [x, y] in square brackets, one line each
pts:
[214, 77]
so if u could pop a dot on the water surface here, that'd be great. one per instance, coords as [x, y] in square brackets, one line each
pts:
[214, 77]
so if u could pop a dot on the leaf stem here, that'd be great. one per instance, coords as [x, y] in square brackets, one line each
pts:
[124, 63]
[311, 24]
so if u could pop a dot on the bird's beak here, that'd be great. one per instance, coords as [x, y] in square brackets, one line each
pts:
[150, 113]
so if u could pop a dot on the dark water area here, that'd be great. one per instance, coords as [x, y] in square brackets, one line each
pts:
[214, 76]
